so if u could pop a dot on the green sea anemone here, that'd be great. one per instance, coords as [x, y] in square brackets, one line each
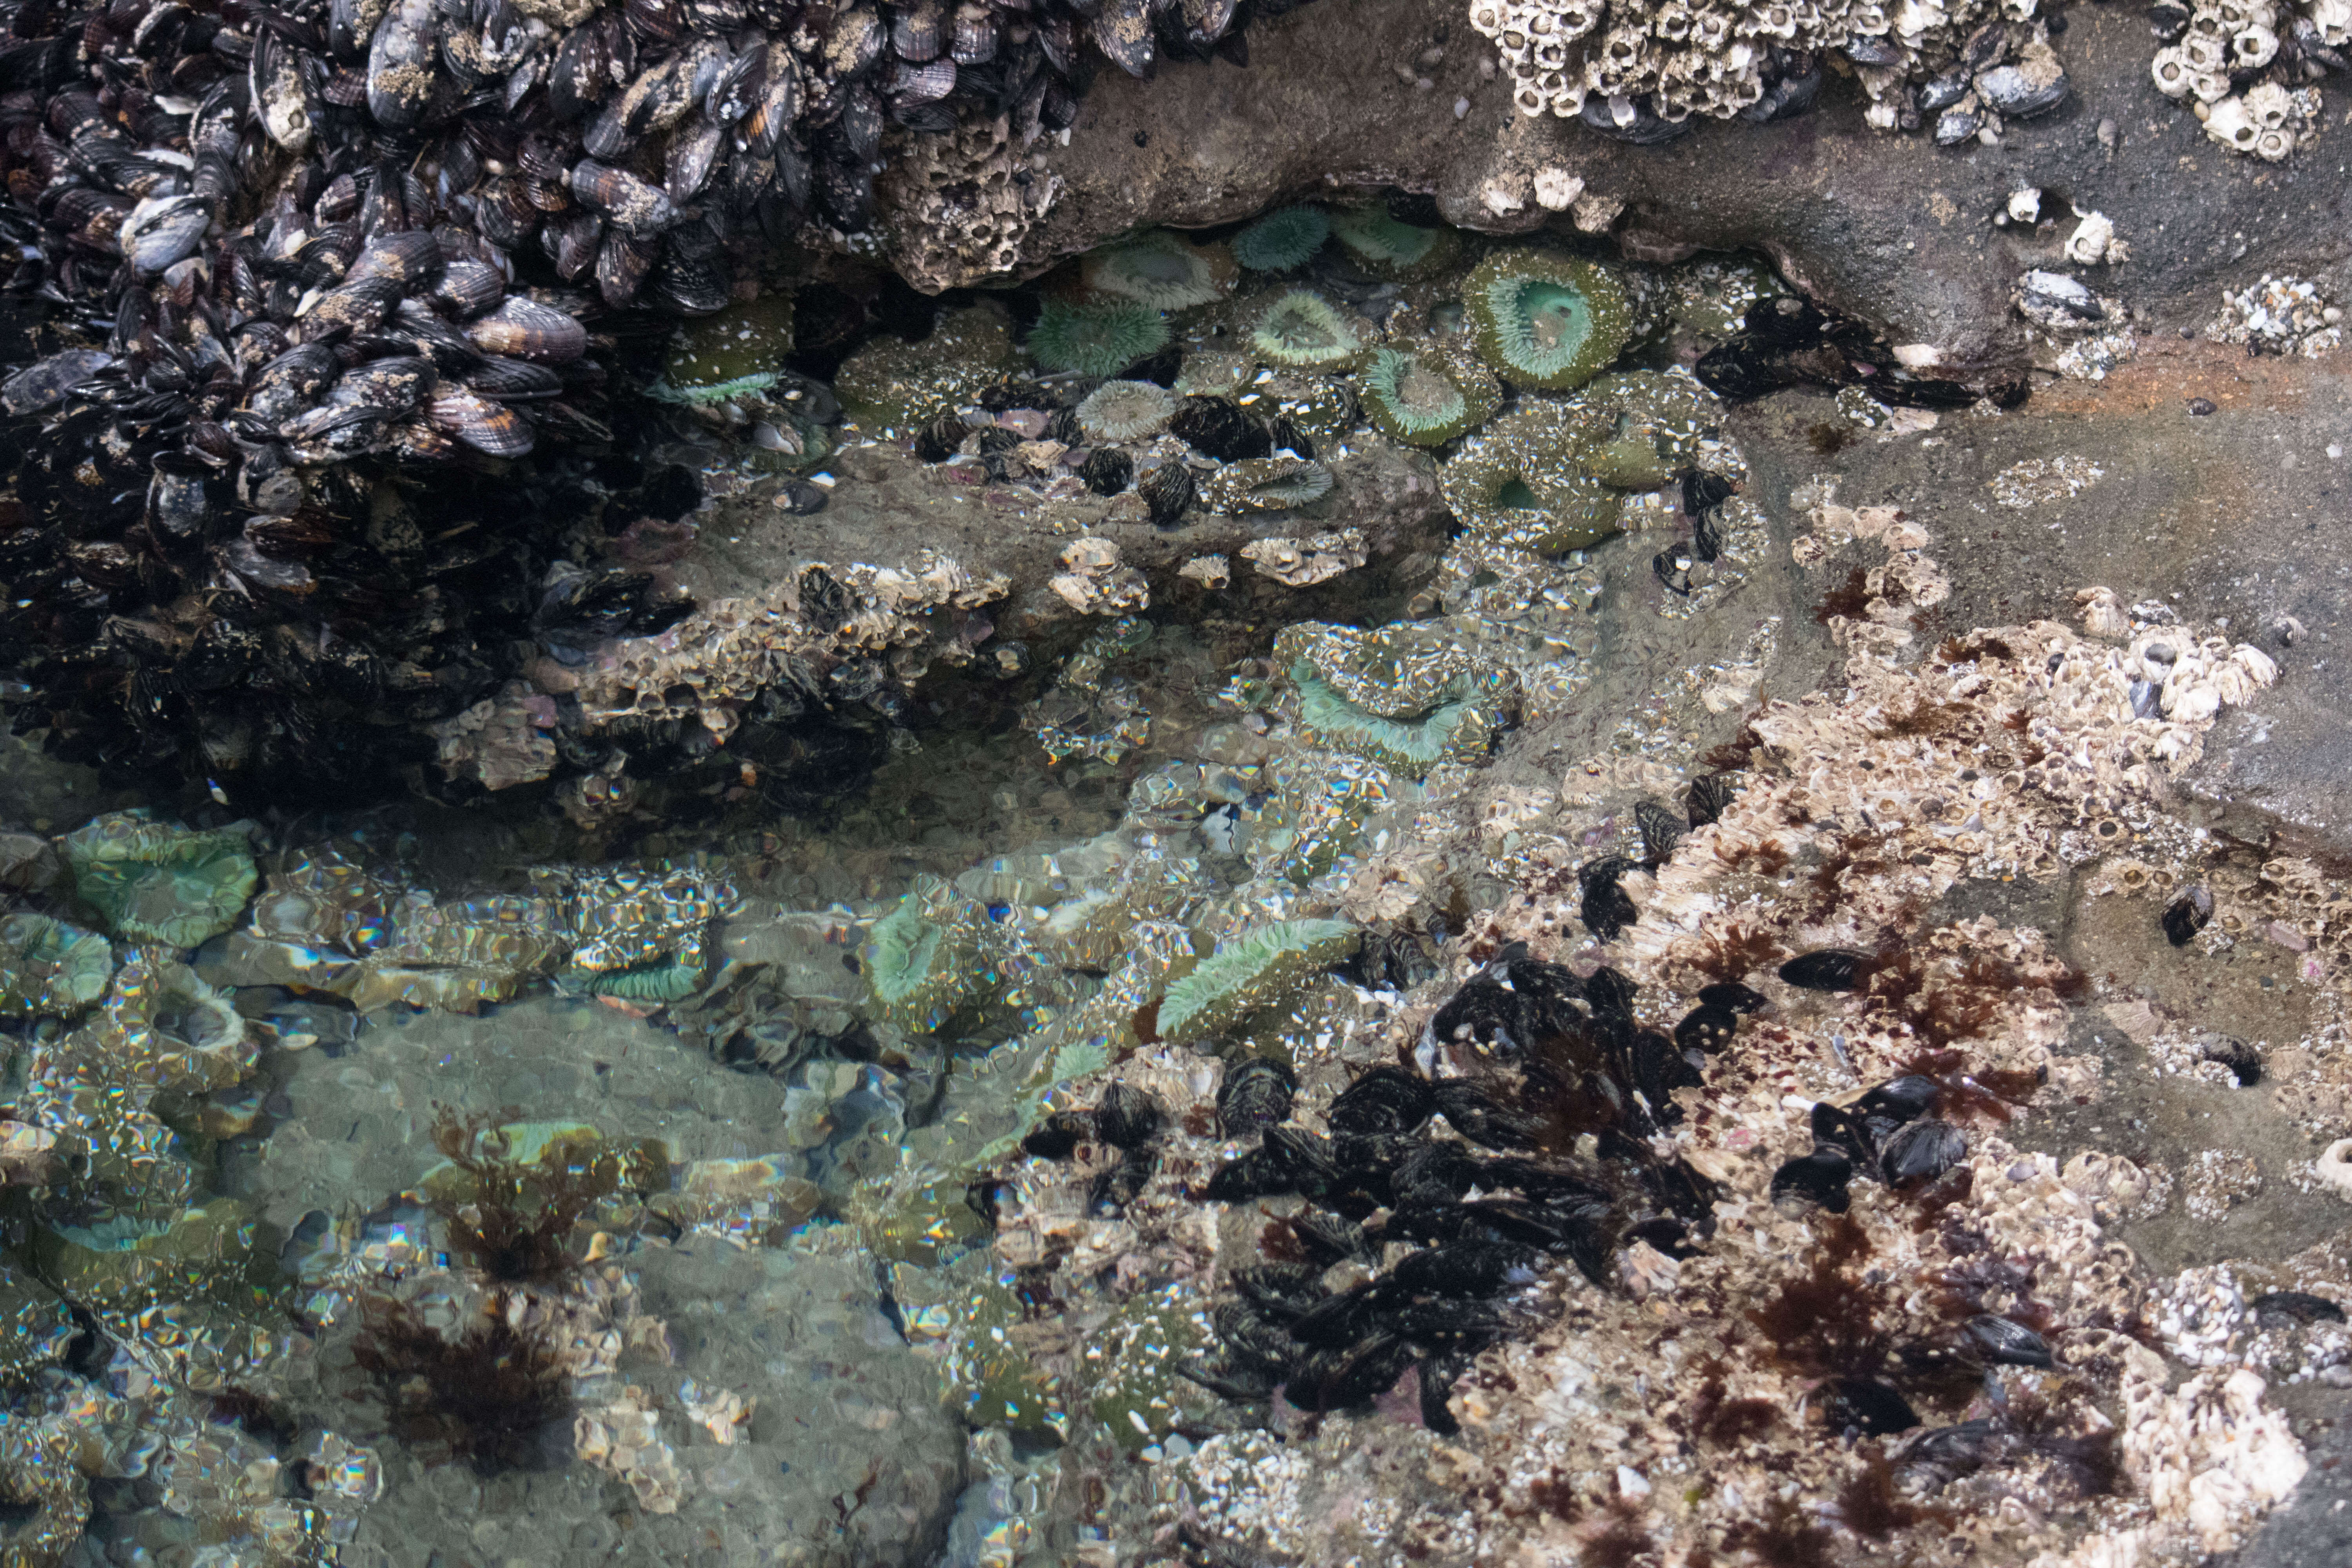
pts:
[1209, 373]
[664, 980]
[734, 353]
[1096, 339]
[1283, 239]
[1660, 419]
[1458, 730]
[1266, 484]
[1521, 480]
[152, 881]
[1378, 243]
[1125, 411]
[1301, 329]
[1544, 320]
[49, 969]
[1426, 398]
[1160, 269]
[1251, 972]
[891, 382]
[918, 959]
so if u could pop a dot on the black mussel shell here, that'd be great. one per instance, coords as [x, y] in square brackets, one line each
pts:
[1281, 433]
[1122, 1184]
[1129, 1117]
[1255, 1093]
[1062, 425]
[2187, 915]
[1310, 1157]
[1661, 828]
[1820, 1177]
[1665, 1235]
[1330, 1236]
[1945, 1453]
[1611, 991]
[1607, 909]
[1512, 1002]
[1904, 1099]
[1467, 1268]
[2245, 1064]
[1707, 1028]
[1252, 1336]
[1257, 1173]
[1834, 1127]
[1437, 1378]
[1282, 1290]
[1865, 1406]
[1057, 1137]
[1922, 1152]
[1217, 427]
[1709, 795]
[1351, 1315]
[1107, 470]
[1333, 1380]
[2292, 1308]
[1385, 1099]
[1732, 997]
[1435, 1174]
[1703, 492]
[1168, 490]
[2008, 1342]
[1658, 1070]
[941, 438]
[1830, 968]
[1242, 1384]
[1478, 1118]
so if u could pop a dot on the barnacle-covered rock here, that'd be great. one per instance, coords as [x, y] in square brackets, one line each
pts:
[1427, 396]
[152, 881]
[1282, 239]
[1250, 973]
[1544, 320]
[891, 382]
[1522, 480]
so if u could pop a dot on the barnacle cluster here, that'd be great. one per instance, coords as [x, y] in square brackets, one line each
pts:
[1640, 71]
[2246, 69]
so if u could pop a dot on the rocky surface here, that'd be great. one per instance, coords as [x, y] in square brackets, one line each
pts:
[1890, 227]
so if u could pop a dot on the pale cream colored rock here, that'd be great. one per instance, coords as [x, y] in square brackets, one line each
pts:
[1300, 563]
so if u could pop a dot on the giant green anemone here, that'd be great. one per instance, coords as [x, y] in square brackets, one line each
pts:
[1262, 969]
[1096, 339]
[1662, 419]
[1521, 480]
[1544, 320]
[1378, 243]
[154, 881]
[1266, 484]
[734, 353]
[1426, 398]
[1125, 411]
[1304, 330]
[49, 969]
[1283, 239]
[1161, 270]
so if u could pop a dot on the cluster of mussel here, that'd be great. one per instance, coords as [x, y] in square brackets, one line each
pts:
[1215, 426]
[1791, 342]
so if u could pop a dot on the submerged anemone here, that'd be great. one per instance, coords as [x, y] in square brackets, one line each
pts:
[1125, 411]
[49, 969]
[1660, 421]
[1522, 480]
[1378, 243]
[1283, 239]
[1249, 972]
[152, 881]
[1095, 339]
[1545, 321]
[1426, 398]
[1266, 484]
[734, 353]
[1161, 270]
[891, 381]
[1304, 330]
